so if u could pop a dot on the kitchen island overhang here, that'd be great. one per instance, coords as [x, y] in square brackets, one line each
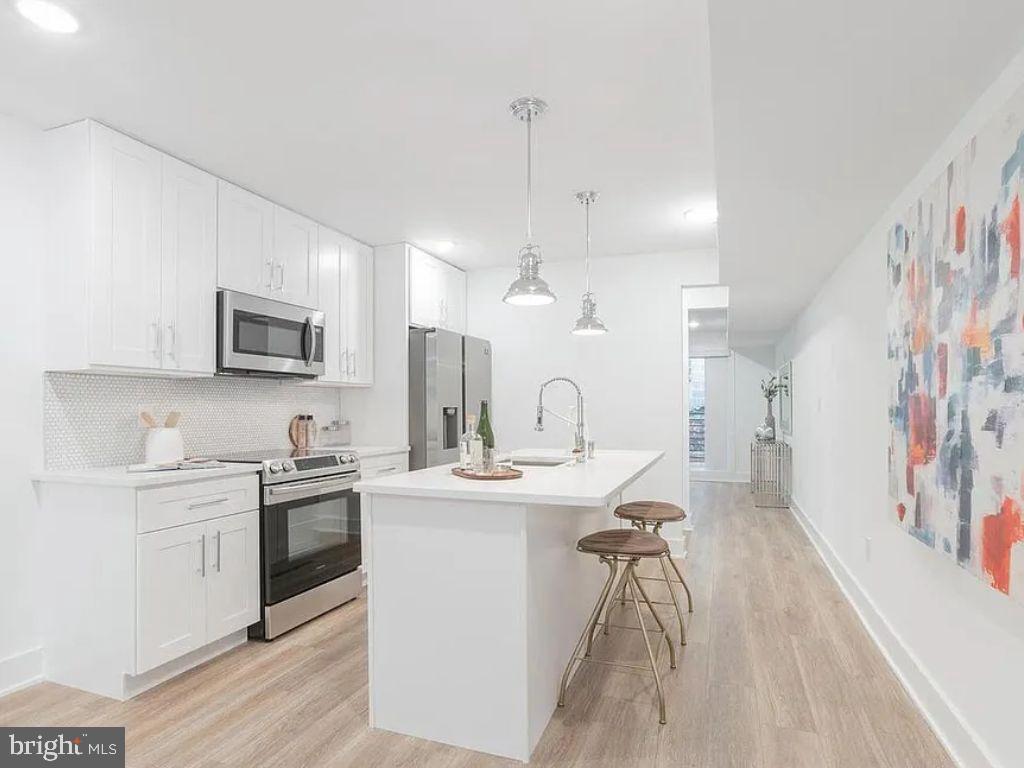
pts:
[477, 595]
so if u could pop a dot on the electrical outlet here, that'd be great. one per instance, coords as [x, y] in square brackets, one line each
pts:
[867, 549]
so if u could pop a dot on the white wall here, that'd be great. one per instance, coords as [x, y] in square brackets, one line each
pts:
[735, 408]
[21, 254]
[632, 377]
[958, 644]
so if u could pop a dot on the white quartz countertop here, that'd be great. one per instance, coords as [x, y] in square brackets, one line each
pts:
[592, 484]
[120, 476]
[369, 451]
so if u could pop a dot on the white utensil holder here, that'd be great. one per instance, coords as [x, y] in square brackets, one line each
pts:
[164, 444]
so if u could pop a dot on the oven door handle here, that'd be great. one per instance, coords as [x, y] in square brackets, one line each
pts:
[293, 491]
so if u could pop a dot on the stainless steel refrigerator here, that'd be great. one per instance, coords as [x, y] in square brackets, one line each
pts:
[449, 374]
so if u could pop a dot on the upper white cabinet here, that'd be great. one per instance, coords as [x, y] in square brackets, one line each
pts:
[189, 267]
[346, 298]
[131, 278]
[264, 249]
[245, 241]
[437, 293]
[294, 259]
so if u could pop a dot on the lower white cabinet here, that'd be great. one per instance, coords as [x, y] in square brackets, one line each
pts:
[146, 581]
[197, 583]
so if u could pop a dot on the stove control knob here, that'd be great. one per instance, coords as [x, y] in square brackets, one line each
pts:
[289, 466]
[346, 459]
[275, 467]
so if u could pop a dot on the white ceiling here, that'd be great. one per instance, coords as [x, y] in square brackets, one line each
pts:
[823, 112]
[388, 119]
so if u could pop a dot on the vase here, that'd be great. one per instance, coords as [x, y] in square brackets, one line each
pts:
[766, 432]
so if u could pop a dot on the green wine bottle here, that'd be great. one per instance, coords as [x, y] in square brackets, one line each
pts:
[484, 427]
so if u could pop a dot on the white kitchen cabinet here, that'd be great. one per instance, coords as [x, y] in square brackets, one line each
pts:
[131, 276]
[172, 594]
[233, 574]
[189, 268]
[437, 293]
[295, 259]
[357, 298]
[125, 298]
[179, 581]
[245, 241]
[346, 299]
[331, 245]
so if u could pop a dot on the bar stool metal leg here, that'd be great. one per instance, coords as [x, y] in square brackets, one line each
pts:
[613, 566]
[647, 644]
[689, 597]
[675, 599]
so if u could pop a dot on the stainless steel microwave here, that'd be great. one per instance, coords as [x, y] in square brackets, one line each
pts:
[262, 337]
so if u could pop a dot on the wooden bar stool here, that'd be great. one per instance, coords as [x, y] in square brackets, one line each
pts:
[655, 514]
[613, 547]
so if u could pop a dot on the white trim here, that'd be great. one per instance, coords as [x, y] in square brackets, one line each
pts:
[717, 476]
[21, 670]
[957, 736]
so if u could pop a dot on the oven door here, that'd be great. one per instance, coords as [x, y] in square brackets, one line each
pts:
[311, 535]
[257, 335]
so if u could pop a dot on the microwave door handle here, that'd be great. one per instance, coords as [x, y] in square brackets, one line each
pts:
[311, 347]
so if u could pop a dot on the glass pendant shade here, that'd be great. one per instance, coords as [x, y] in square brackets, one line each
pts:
[529, 289]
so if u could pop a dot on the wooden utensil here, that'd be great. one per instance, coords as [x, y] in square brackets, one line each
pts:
[147, 419]
[172, 419]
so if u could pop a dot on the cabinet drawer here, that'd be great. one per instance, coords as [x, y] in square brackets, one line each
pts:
[390, 464]
[172, 505]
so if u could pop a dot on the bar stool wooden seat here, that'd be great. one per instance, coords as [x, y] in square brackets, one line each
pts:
[655, 514]
[614, 547]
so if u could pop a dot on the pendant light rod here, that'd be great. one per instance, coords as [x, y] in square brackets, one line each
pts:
[585, 199]
[529, 178]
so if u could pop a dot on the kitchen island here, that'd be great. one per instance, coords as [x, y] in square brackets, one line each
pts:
[477, 595]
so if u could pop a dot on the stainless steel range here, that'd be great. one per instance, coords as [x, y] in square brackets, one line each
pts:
[310, 544]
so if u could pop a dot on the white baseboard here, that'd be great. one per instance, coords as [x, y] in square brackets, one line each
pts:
[717, 476]
[21, 670]
[959, 738]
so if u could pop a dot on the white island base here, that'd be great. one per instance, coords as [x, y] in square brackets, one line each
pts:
[477, 596]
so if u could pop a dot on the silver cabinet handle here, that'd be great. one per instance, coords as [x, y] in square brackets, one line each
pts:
[202, 556]
[280, 285]
[218, 551]
[351, 369]
[155, 328]
[386, 470]
[270, 275]
[173, 336]
[210, 503]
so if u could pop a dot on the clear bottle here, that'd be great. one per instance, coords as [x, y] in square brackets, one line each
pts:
[471, 447]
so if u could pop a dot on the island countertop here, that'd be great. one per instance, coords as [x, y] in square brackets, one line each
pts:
[593, 484]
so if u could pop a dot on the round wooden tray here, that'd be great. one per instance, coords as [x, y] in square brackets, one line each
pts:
[505, 474]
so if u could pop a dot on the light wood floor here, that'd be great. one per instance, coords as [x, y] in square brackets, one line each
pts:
[778, 673]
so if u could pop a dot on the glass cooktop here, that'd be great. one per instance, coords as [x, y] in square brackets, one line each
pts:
[258, 457]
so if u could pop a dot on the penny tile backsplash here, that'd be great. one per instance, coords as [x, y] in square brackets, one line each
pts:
[93, 421]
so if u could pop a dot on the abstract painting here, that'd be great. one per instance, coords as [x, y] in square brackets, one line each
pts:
[786, 399]
[956, 359]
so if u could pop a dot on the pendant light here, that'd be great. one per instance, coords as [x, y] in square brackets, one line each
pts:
[589, 324]
[529, 289]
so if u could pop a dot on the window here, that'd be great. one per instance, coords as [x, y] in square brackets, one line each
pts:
[698, 411]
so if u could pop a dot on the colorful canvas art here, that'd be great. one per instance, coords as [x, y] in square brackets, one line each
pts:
[956, 359]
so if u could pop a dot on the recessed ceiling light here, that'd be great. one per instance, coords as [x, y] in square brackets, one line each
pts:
[694, 323]
[48, 16]
[444, 246]
[702, 214]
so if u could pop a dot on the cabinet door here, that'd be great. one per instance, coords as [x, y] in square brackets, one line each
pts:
[245, 241]
[171, 594]
[454, 307]
[125, 298]
[358, 302]
[330, 282]
[295, 258]
[189, 259]
[424, 289]
[233, 574]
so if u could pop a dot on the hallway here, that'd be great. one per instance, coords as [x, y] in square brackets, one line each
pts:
[778, 673]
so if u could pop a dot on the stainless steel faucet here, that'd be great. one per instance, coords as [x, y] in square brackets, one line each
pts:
[580, 447]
